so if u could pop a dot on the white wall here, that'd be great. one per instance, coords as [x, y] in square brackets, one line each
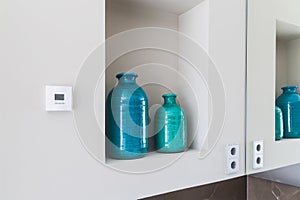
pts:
[44, 42]
[293, 50]
[200, 35]
[287, 64]
[281, 66]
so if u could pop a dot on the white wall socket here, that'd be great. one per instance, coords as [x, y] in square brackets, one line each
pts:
[258, 154]
[232, 158]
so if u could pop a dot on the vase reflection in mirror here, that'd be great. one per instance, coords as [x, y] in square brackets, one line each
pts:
[289, 103]
[278, 124]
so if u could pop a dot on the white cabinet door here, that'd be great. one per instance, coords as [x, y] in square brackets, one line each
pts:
[272, 62]
[51, 42]
[219, 28]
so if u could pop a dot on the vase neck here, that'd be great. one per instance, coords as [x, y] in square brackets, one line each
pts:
[126, 77]
[290, 89]
[169, 99]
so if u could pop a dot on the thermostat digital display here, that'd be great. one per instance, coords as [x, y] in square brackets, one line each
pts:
[58, 98]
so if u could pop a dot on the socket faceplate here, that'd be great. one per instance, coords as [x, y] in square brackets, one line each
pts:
[232, 159]
[258, 154]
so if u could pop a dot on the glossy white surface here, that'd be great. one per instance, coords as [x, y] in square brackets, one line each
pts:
[263, 79]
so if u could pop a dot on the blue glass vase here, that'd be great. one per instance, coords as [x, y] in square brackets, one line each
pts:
[170, 126]
[278, 124]
[289, 103]
[126, 119]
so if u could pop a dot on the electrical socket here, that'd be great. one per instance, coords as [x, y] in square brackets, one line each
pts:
[258, 154]
[232, 158]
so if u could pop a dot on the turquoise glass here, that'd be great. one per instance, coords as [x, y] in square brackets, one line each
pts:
[126, 119]
[170, 126]
[289, 103]
[278, 124]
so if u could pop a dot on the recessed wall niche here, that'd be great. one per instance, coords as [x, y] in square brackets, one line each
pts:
[287, 55]
[161, 71]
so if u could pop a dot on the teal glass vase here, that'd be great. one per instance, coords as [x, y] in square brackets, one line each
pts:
[126, 119]
[170, 126]
[278, 124]
[289, 103]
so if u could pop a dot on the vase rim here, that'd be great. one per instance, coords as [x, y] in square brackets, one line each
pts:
[169, 95]
[290, 87]
[126, 74]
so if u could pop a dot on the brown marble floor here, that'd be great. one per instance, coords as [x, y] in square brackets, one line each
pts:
[234, 189]
[260, 189]
[250, 188]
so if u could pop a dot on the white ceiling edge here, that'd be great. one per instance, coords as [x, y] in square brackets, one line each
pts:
[287, 31]
[172, 6]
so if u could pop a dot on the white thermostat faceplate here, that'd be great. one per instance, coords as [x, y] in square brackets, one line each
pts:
[58, 98]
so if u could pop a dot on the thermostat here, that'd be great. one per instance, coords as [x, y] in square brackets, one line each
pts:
[58, 98]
